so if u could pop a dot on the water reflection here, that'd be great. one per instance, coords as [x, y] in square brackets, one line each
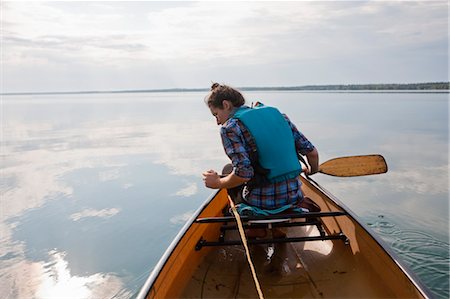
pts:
[35, 175]
[108, 180]
[181, 219]
[75, 184]
[104, 213]
[53, 279]
[423, 252]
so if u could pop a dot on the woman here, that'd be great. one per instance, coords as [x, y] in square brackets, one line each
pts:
[263, 146]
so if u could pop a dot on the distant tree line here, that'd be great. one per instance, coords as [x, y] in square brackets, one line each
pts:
[390, 86]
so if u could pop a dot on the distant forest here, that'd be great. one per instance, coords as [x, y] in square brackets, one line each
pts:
[336, 87]
[392, 86]
[437, 86]
[444, 86]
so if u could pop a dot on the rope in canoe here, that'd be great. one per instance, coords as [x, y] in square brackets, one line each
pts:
[247, 251]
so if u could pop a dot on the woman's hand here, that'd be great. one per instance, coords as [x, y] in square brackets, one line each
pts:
[215, 181]
[305, 169]
[211, 179]
[313, 160]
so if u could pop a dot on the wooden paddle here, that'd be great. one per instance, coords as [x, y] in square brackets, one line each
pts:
[354, 166]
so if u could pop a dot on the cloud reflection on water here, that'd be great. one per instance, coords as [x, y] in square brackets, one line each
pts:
[38, 173]
[39, 158]
[53, 159]
[105, 213]
[53, 279]
[189, 190]
[181, 219]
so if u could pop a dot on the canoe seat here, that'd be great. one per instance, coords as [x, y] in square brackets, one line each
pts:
[286, 218]
[271, 224]
[269, 221]
[270, 229]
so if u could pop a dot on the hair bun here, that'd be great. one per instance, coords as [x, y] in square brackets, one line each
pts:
[220, 93]
[214, 86]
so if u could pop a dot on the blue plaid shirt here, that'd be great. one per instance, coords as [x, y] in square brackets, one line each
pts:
[237, 142]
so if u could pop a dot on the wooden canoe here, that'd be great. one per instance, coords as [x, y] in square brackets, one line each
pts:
[335, 257]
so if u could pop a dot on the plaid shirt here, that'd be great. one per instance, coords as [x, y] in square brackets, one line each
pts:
[238, 142]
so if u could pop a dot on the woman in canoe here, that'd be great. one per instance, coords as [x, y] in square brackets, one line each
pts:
[263, 146]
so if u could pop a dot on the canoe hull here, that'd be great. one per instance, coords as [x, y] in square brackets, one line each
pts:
[363, 267]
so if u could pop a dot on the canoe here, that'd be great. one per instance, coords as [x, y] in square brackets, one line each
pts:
[330, 254]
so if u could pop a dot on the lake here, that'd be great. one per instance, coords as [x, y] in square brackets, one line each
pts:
[94, 187]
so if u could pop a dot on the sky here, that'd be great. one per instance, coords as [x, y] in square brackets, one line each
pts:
[111, 45]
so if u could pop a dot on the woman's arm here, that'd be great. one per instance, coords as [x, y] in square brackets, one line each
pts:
[313, 161]
[305, 147]
[214, 181]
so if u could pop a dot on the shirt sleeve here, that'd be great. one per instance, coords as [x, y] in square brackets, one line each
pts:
[302, 144]
[234, 145]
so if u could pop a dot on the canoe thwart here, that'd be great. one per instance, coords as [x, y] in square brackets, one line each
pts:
[202, 243]
[279, 216]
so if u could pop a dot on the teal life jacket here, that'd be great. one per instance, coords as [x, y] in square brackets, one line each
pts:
[274, 141]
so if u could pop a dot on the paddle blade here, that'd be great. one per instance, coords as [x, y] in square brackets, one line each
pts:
[354, 166]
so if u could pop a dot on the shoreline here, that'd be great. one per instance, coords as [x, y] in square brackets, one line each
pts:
[432, 87]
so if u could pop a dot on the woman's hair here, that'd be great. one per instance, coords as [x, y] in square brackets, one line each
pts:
[219, 93]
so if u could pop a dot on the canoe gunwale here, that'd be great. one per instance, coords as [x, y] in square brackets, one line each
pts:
[160, 265]
[390, 252]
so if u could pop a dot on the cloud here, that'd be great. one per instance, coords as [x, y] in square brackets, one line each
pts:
[53, 279]
[41, 153]
[185, 148]
[181, 219]
[428, 180]
[109, 175]
[34, 181]
[426, 147]
[189, 190]
[127, 186]
[104, 213]
[178, 44]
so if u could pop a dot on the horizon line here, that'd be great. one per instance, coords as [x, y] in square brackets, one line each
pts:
[310, 87]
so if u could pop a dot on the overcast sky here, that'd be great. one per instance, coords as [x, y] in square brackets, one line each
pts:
[75, 46]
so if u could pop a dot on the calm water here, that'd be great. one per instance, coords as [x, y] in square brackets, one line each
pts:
[95, 187]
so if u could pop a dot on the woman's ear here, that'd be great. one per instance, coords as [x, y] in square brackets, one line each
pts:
[227, 105]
